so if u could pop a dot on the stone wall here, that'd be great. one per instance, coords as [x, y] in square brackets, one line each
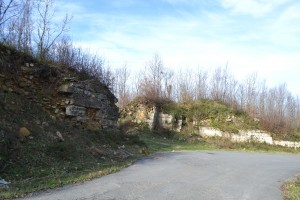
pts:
[63, 94]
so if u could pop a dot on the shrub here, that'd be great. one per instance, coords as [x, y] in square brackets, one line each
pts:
[8, 145]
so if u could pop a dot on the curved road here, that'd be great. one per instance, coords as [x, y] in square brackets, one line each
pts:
[189, 175]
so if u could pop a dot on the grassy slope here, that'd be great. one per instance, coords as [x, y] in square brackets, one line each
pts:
[211, 113]
[44, 163]
[41, 161]
[291, 189]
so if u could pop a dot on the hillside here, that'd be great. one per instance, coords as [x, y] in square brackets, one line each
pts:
[57, 126]
[201, 119]
[190, 115]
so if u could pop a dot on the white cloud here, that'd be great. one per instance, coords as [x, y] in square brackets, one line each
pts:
[68, 7]
[255, 8]
[177, 2]
[208, 39]
[285, 30]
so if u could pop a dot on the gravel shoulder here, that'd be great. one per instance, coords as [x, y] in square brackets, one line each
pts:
[208, 175]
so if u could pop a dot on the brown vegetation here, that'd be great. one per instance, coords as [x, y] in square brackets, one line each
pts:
[276, 108]
[29, 26]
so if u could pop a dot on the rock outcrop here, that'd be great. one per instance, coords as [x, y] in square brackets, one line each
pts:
[152, 115]
[246, 136]
[85, 102]
[61, 92]
[155, 118]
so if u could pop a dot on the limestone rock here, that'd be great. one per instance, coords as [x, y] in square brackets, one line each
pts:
[75, 111]
[165, 120]
[60, 137]
[3, 182]
[66, 88]
[24, 132]
[88, 102]
[123, 154]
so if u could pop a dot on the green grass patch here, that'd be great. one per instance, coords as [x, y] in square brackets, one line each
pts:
[56, 176]
[42, 161]
[56, 164]
[173, 141]
[211, 113]
[291, 189]
[83, 157]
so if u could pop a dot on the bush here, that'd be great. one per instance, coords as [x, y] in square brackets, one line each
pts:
[63, 151]
[8, 145]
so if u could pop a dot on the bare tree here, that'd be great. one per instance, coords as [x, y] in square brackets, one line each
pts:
[231, 94]
[185, 87]
[154, 74]
[240, 96]
[262, 99]
[168, 84]
[155, 84]
[48, 32]
[291, 112]
[201, 89]
[20, 28]
[220, 81]
[251, 94]
[8, 11]
[5, 7]
[122, 76]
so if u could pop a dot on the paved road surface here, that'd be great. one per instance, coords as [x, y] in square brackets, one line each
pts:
[189, 175]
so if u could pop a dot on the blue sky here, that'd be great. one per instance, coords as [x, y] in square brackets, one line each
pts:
[251, 35]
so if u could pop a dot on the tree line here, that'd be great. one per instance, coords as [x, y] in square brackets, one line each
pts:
[33, 27]
[276, 107]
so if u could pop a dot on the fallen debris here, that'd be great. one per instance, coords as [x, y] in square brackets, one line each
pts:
[3, 182]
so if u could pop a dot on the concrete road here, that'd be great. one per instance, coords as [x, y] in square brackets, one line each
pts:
[189, 175]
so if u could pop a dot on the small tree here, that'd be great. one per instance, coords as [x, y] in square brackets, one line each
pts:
[185, 87]
[48, 32]
[122, 75]
[5, 7]
[155, 84]
[20, 28]
[201, 85]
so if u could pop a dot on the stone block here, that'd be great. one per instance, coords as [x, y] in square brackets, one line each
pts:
[81, 119]
[67, 88]
[86, 100]
[165, 120]
[75, 111]
[24, 132]
[210, 132]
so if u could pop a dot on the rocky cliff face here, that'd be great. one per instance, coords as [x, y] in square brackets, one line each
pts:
[62, 92]
[86, 102]
[156, 119]
[153, 116]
